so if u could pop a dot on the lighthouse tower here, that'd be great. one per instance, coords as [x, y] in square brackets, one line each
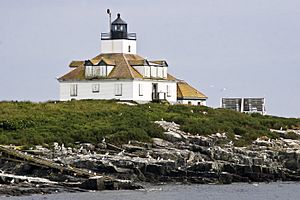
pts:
[118, 40]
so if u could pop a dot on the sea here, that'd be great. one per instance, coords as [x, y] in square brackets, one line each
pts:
[245, 191]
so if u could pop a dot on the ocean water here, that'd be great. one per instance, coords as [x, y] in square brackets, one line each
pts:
[261, 191]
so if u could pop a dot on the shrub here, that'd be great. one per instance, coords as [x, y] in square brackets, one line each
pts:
[291, 135]
[26, 123]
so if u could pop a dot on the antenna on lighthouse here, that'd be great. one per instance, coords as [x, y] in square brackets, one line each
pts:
[109, 18]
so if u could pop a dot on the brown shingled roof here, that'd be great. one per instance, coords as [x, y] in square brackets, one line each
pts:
[76, 63]
[185, 91]
[171, 78]
[121, 62]
[75, 74]
[106, 61]
[138, 62]
[123, 67]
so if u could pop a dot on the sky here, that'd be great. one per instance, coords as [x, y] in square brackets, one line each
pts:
[224, 48]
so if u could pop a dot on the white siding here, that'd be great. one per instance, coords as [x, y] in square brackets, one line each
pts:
[137, 90]
[147, 90]
[193, 102]
[106, 90]
[118, 46]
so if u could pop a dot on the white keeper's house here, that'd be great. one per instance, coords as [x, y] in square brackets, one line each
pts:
[119, 73]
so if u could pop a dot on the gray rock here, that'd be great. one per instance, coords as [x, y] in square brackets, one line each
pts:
[94, 183]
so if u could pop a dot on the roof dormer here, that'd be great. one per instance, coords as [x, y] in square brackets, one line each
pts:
[98, 69]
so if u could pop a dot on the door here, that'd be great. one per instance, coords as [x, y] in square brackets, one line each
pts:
[154, 92]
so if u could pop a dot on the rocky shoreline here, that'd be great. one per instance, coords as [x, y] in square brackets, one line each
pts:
[181, 157]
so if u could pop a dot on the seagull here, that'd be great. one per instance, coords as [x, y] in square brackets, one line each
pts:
[223, 89]
[121, 153]
[148, 155]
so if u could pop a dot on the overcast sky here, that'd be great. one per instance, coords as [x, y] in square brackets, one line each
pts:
[224, 48]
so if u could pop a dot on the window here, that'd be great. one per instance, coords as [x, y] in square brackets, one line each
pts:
[88, 71]
[73, 90]
[96, 88]
[199, 103]
[189, 103]
[168, 90]
[118, 89]
[141, 90]
[103, 70]
[129, 48]
[96, 71]
[147, 71]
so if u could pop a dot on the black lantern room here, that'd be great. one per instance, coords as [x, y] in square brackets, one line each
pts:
[119, 28]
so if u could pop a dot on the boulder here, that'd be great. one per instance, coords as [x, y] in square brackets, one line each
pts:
[131, 148]
[155, 169]
[172, 136]
[203, 167]
[94, 183]
[158, 142]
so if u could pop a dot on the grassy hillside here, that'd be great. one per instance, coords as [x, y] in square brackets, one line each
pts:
[26, 123]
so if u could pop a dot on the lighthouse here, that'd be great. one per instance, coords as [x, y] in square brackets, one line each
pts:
[118, 40]
[119, 73]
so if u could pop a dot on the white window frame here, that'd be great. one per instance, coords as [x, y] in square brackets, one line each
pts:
[118, 89]
[168, 91]
[141, 91]
[73, 90]
[96, 88]
[147, 71]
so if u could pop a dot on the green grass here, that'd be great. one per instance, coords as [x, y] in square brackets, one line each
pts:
[27, 123]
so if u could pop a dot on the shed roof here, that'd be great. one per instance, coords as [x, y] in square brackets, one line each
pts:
[185, 91]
